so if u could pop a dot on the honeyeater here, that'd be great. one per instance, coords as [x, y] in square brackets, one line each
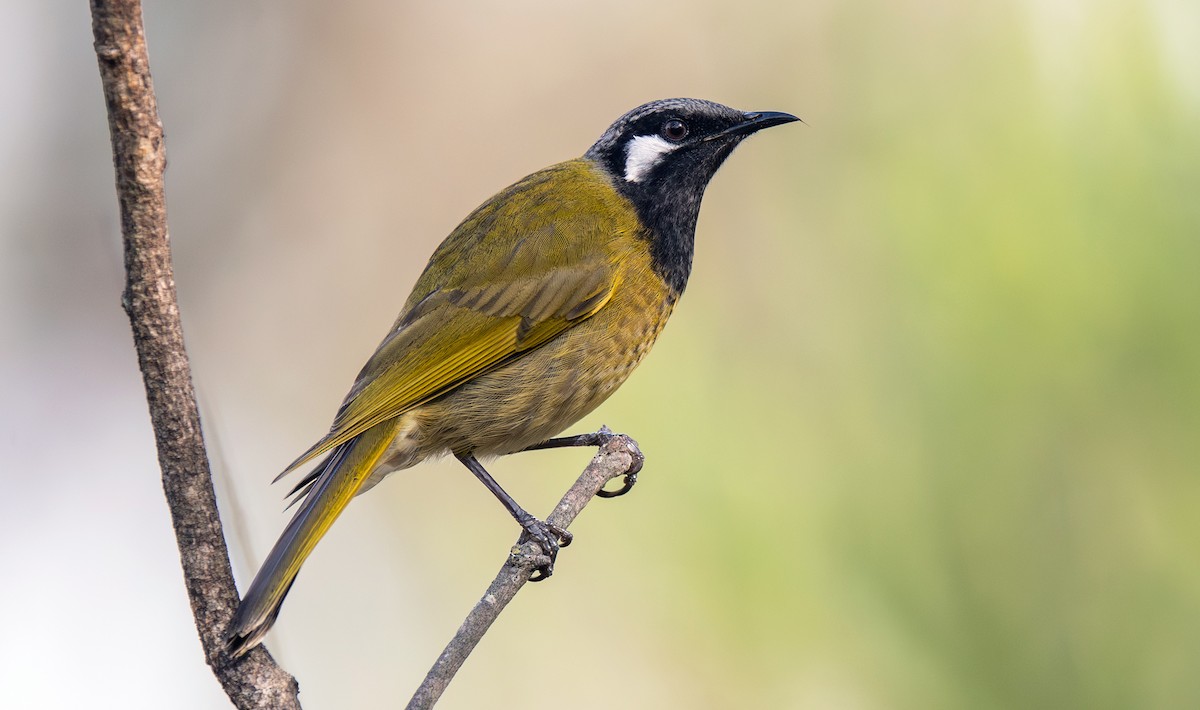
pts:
[527, 317]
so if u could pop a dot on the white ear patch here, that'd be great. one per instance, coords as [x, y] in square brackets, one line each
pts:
[642, 154]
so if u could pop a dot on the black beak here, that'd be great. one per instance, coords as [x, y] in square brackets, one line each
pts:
[757, 121]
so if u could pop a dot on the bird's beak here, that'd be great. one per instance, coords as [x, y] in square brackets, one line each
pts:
[757, 121]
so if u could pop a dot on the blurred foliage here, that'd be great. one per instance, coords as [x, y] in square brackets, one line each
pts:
[966, 476]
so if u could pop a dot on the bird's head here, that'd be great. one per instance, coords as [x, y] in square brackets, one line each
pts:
[661, 156]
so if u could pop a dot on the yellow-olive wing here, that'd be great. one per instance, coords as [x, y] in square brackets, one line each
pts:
[487, 296]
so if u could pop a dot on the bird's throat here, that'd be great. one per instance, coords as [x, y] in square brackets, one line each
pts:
[670, 222]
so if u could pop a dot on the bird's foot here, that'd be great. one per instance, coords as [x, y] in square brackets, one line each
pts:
[597, 438]
[550, 538]
[627, 482]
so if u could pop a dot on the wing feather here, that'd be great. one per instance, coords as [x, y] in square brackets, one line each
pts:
[486, 297]
[452, 343]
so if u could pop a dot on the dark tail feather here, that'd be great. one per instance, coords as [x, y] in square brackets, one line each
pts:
[238, 643]
[339, 478]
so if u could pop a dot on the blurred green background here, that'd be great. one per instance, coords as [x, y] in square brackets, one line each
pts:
[922, 433]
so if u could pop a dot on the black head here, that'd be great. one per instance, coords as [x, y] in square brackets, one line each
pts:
[661, 156]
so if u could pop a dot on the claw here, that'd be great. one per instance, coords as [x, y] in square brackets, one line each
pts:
[626, 486]
[565, 537]
[550, 538]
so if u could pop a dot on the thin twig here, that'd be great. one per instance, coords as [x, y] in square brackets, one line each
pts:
[618, 455]
[139, 158]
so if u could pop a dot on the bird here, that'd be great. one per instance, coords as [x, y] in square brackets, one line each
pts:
[528, 316]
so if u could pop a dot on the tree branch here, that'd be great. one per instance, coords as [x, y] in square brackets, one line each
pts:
[618, 455]
[149, 300]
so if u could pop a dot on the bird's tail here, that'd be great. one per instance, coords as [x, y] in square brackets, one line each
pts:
[340, 477]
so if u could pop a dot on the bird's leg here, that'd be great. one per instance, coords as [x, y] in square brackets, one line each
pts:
[596, 438]
[549, 537]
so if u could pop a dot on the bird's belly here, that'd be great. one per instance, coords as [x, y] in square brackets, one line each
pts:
[542, 392]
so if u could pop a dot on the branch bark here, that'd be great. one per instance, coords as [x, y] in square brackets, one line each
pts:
[618, 455]
[149, 300]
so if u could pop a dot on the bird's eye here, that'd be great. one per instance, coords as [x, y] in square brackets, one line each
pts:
[674, 130]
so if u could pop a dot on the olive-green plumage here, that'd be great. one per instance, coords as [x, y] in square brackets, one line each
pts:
[527, 317]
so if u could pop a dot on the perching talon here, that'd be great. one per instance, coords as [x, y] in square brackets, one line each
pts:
[626, 486]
